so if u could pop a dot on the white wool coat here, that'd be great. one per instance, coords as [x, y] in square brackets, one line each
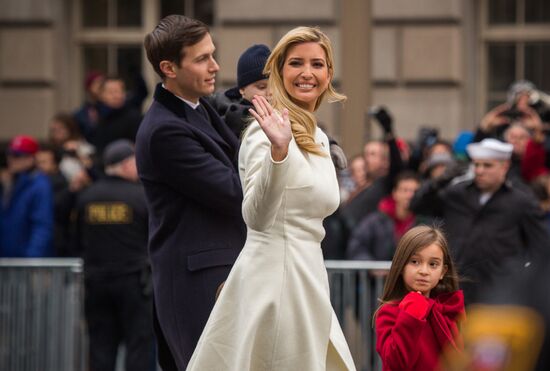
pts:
[274, 312]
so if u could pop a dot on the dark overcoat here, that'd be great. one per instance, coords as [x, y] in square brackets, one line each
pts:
[482, 238]
[196, 231]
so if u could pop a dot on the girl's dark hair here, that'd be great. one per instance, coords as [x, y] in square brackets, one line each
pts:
[167, 40]
[412, 241]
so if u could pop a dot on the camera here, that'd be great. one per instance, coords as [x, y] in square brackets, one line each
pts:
[513, 113]
[536, 99]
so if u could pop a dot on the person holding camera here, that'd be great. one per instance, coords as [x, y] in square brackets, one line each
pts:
[381, 172]
[525, 105]
[520, 122]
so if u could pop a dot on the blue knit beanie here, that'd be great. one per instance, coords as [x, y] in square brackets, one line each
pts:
[251, 65]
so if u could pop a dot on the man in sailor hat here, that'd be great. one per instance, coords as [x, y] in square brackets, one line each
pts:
[488, 222]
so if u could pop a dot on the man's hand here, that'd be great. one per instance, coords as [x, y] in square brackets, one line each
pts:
[494, 118]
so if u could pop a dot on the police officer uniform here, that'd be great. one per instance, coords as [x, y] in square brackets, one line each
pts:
[112, 222]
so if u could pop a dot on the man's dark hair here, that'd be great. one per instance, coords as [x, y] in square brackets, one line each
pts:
[167, 40]
[55, 151]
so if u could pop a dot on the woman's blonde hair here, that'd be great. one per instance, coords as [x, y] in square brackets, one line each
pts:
[303, 123]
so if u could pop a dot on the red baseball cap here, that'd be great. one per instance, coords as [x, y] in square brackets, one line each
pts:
[23, 145]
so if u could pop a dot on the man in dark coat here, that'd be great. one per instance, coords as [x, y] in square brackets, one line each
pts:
[186, 159]
[118, 119]
[487, 220]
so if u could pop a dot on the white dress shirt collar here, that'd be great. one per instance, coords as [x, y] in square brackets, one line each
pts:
[193, 105]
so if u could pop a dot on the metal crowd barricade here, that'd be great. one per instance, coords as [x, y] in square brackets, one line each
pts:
[41, 315]
[355, 287]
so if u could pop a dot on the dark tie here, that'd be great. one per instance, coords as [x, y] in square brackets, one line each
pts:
[202, 111]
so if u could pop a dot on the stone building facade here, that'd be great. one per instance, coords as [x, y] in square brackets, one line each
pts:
[438, 63]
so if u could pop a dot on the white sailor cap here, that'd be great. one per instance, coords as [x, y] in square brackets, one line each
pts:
[490, 149]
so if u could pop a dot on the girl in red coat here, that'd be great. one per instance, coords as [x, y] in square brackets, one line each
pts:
[421, 304]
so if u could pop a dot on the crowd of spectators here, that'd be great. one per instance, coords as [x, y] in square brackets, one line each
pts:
[377, 188]
[37, 216]
[488, 189]
[77, 194]
[495, 210]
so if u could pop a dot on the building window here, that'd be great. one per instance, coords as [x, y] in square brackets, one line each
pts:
[516, 36]
[111, 13]
[503, 12]
[114, 59]
[109, 35]
[198, 9]
[537, 11]
[537, 64]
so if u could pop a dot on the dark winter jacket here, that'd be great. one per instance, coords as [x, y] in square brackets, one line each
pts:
[121, 123]
[237, 116]
[188, 167]
[375, 238]
[113, 224]
[482, 237]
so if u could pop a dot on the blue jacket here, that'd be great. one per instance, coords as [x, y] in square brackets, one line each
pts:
[26, 217]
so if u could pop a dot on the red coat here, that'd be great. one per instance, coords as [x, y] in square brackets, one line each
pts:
[405, 342]
[533, 161]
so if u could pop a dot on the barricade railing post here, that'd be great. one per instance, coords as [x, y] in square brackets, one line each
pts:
[379, 290]
[41, 314]
[355, 287]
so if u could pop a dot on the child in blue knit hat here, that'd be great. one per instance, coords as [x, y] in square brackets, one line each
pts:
[234, 103]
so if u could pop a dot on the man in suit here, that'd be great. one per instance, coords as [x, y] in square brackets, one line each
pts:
[186, 160]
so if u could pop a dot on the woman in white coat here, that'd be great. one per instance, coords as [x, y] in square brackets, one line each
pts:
[274, 311]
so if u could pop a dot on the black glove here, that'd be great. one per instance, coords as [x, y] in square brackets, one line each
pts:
[452, 170]
[384, 119]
